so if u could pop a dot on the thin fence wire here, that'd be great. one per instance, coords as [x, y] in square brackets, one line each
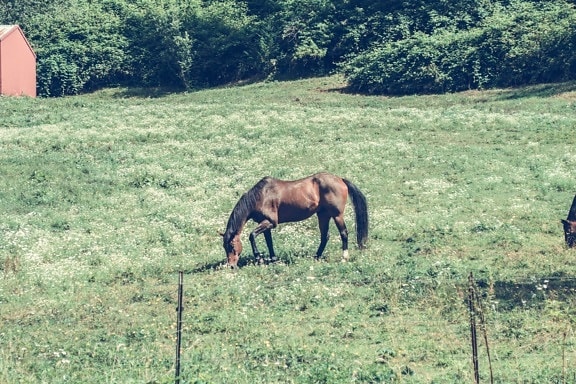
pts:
[478, 294]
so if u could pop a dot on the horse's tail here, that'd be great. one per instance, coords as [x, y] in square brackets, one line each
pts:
[361, 213]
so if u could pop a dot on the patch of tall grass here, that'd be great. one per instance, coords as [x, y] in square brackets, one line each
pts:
[106, 196]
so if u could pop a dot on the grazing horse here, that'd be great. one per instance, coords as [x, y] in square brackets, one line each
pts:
[272, 201]
[570, 226]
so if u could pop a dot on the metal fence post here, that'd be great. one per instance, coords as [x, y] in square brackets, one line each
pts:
[179, 310]
[474, 341]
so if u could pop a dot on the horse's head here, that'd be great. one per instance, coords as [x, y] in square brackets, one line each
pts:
[233, 249]
[569, 232]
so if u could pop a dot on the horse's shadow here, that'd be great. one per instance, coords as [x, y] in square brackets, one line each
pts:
[219, 265]
[212, 266]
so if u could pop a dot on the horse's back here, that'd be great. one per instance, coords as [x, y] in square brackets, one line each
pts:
[295, 200]
[281, 201]
[323, 185]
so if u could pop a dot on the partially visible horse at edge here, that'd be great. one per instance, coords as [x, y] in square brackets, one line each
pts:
[272, 201]
[570, 226]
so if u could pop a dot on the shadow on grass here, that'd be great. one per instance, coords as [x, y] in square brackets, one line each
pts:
[520, 92]
[510, 294]
[147, 93]
[539, 90]
[283, 259]
[206, 267]
[159, 92]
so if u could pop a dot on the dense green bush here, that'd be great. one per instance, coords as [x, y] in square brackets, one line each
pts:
[82, 44]
[520, 44]
[191, 44]
[231, 45]
[398, 47]
[78, 46]
[538, 41]
[305, 30]
[160, 49]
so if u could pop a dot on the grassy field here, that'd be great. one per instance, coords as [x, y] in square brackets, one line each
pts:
[105, 197]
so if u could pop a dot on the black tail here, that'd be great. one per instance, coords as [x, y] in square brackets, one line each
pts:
[572, 212]
[361, 213]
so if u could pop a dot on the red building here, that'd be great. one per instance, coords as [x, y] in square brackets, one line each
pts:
[17, 63]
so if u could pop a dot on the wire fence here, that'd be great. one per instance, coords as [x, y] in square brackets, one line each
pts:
[520, 293]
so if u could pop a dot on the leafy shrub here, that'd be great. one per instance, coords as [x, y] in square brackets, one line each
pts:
[231, 45]
[192, 45]
[304, 34]
[522, 44]
[79, 47]
[408, 46]
[160, 49]
[537, 42]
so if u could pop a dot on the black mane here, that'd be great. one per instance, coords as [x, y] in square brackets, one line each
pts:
[572, 212]
[243, 209]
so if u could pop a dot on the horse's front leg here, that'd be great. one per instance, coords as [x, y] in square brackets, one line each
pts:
[268, 237]
[263, 226]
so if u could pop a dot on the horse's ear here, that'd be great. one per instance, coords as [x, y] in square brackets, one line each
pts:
[572, 212]
[567, 224]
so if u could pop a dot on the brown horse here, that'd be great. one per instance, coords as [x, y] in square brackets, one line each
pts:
[272, 201]
[570, 226]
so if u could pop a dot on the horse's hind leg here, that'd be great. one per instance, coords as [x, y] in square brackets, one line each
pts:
[323, 223]
[339, 220]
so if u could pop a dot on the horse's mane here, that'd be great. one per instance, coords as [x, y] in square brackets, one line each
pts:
[243, 209]
[572, 212]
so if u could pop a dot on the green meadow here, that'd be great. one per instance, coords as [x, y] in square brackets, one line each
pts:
[105, 197]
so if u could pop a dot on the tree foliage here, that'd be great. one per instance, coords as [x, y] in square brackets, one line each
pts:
[389, 46]
[192, 44]
[78, 46]
[522, 43]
